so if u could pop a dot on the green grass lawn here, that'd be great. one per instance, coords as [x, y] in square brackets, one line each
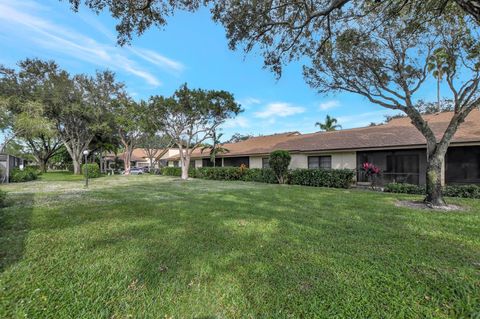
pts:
[156, 247]
[61, 176]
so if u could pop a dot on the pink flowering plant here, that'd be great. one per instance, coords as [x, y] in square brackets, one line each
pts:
[371, 171]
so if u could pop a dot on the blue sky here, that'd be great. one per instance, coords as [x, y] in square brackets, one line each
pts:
[191, 49]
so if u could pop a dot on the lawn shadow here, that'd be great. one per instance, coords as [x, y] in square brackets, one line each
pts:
[222, 249]
[270, 257]
[14, 228]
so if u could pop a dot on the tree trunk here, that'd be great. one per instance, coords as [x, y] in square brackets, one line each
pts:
[185, 163]
[472, 7]
[435, 158]
[76, 166]
[438, 92]
[101, 161]
[42, 163]
[126, 161]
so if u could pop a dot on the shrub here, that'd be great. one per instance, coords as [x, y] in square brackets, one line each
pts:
[171, 171]
[466, 191]
[342, 178]
[93, 170]
[27, 174]
[404, 188]
[3, 197]
[220, 173]
[35, 168]
[261, 175]
[279, 161]
[337, 178]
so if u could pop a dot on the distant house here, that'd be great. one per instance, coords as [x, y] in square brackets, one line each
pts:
[396, 147]
[7, 164]
[142, 158]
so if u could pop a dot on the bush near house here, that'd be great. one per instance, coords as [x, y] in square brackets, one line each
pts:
[404, 188]
[25, 175]
[342, 178]
[465, 191]
[279, 161]
[93, 170]
[171, 171]
[261, 175]
[336, 178]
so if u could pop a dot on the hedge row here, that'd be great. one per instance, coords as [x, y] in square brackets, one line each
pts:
[24, 175]
[93, 170]
[308, 177]
[336, 178]
[465, 191]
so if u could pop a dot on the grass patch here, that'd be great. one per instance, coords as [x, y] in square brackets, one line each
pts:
[151, 246]
[60, 176]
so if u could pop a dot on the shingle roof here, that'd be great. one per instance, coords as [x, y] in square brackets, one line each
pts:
[253, 145]
[138, 154]
[398, 132]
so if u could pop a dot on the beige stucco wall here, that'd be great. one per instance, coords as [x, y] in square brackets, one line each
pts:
[255, 162]
[198, 163]
[298, 161]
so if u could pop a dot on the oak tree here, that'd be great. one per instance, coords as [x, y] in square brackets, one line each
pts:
[191, 116]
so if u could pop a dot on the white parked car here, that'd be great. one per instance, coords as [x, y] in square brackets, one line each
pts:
[136, 171]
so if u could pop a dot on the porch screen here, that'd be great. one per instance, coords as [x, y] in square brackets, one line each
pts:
[206, 162]
[236, 161]
[463, 165]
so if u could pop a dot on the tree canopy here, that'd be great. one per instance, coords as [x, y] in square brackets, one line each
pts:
[262, 22]
[191, 116]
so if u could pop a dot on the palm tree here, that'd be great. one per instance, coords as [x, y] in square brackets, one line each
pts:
[329, 125]
[438, 65]
[215, 148]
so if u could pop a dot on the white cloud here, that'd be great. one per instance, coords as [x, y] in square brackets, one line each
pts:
[237, 122]
[159, 60]
[280, 109]
[249, 101]
[329, 105]
[364, 119]
[59, 39]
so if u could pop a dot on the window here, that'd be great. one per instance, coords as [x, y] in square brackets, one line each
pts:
[324, 162]
[265, 163]
[175, 163]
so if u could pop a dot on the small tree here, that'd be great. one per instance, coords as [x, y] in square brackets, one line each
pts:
[438, 65]
[25, 108]
[330, 124]
[279, 161]
[155, 146]
[130, 126]
[190, 117]
[239, 137]
[215, 148]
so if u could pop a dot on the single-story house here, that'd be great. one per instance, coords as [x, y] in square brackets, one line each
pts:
[396, 147]
[7, 164]
[141, 157]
